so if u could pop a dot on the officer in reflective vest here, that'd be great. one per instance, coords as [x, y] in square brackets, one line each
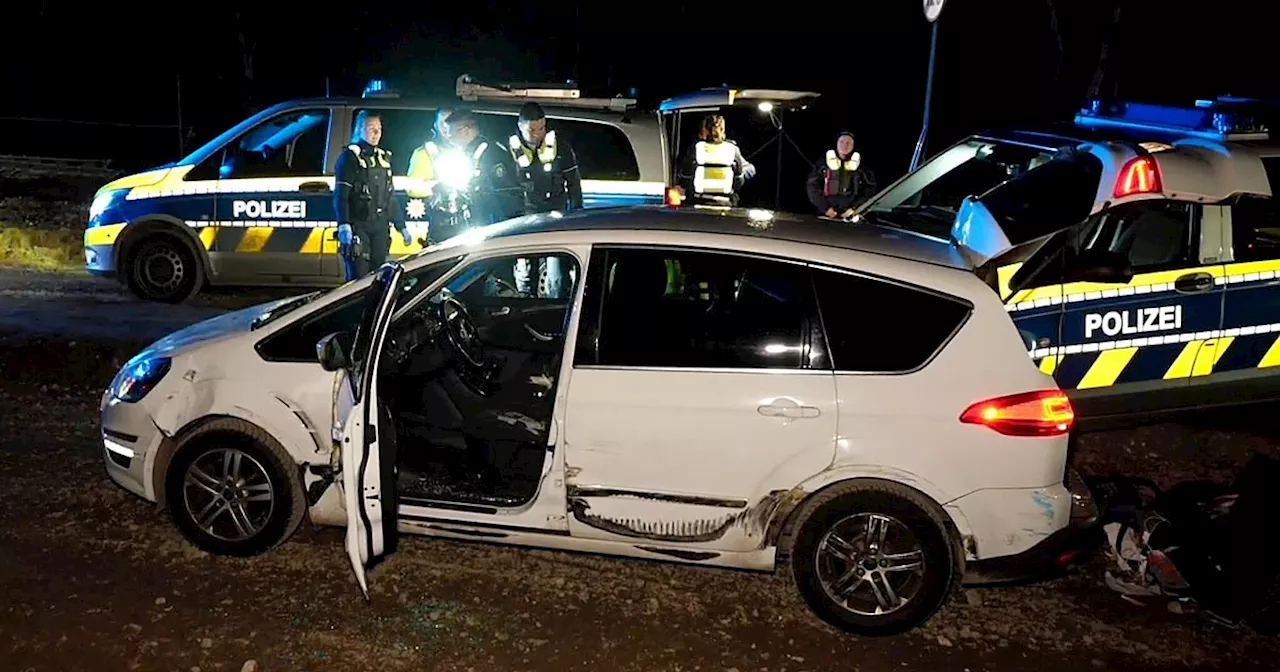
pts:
[550, 179]
[492, 182]
[421, 171]
[364, 200]
[839, 182]
[714, 169]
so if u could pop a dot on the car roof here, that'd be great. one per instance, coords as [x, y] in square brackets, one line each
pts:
[862, 237]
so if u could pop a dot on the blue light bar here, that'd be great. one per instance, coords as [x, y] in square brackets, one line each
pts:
[377, 88]
[1208, 119]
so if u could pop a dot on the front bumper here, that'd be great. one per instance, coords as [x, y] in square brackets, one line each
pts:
[1053, 553]
[130, 441]
[99, 248]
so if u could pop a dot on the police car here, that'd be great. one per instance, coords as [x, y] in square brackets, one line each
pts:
[706, 392]
[1138, 252]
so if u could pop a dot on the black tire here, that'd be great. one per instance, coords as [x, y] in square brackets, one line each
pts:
[289, 503]
[844, 507]
[163, 268]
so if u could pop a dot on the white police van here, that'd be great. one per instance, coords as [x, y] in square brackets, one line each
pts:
[1137, 251]
[254, 207]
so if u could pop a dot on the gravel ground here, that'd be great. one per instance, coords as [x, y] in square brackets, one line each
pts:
[92, 578]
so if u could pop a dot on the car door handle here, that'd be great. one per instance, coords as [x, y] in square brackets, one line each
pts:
[1193, 283]
[499, 312]
[785, 408]
[314, 187]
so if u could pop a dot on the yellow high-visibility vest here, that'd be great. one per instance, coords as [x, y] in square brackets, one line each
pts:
[714, 172]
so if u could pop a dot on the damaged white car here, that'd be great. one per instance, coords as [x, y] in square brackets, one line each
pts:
[733, 388]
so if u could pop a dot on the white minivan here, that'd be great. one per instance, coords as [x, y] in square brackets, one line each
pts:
[724, 387]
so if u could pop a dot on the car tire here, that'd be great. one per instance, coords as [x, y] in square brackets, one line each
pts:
[163, 268]
[264, 468]
[824, 568]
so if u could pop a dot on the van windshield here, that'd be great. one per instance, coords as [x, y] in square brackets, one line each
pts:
[927, 200]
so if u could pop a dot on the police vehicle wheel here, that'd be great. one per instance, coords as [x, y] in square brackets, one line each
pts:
[231, 490]
[162, 268]
[873, 558]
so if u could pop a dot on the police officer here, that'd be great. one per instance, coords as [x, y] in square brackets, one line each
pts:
[839, 183]
[714, 168]
[422, 162]
[494, 187]
[365, 200]
[550, 180]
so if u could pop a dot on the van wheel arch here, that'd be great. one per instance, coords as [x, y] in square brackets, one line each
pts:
[138, 233]
[789, 525]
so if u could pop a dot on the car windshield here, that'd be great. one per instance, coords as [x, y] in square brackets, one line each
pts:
[927, 200]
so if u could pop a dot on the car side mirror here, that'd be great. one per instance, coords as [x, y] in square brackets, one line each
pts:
[333, 351]
[1103, 266]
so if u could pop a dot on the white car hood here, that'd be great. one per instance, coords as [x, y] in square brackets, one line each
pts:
[212, 329]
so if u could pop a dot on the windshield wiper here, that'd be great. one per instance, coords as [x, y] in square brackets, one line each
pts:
[282, 309]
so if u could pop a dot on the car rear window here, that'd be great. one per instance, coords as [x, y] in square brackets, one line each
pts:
[1051, 197]
[604, 152]
[877, 326]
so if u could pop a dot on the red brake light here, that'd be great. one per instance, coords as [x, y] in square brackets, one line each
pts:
[674, 196]
[1041, 413]
[1139, 176]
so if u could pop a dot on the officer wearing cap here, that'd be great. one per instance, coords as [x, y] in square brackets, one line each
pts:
[365, 200]
[550, 179]
[493, 185]
[839, 183]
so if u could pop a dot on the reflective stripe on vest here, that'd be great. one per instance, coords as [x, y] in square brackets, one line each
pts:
[524, 155]
[378, 159]
[839, 173]
[714, 174]
[850, 164]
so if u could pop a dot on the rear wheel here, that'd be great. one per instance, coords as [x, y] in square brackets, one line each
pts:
[163, 268]
[232, 490]
[873, 558]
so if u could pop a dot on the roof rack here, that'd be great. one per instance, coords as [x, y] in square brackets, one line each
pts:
[1225, 118]
[555, 94]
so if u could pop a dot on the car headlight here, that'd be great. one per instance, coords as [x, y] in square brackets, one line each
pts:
[136, 379]
[103, 200]
[454, 170]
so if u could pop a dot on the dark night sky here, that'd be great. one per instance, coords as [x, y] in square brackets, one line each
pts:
[997, 61]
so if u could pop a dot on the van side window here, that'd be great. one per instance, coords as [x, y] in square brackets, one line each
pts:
[604, 152]
[289, 145]
[925, 322]
[403, 130]
[1255, 228]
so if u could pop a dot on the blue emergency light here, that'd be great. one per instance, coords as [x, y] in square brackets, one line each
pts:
[1225, 118]
[377, 88]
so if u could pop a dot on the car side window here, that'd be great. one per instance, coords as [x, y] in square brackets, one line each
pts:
[604, 152]
[1255, 229]
[1154, 235]
[297, 342]
[289, 145]
[688, 309]
[403, 130]
[925, 322]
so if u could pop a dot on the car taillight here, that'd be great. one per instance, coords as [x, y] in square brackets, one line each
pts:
[1040, 413]
[1139, 176]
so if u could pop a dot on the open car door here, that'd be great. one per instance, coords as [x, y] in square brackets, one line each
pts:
[368, 455]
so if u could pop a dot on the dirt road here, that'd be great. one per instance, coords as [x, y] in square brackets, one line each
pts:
[92, 578]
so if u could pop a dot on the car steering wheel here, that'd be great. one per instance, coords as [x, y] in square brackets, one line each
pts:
[460, 330]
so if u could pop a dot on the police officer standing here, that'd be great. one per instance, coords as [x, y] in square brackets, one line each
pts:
[550, 180]
[839, 182]
[422, 162]
[714, 168]
[494, 187]
[365, 201]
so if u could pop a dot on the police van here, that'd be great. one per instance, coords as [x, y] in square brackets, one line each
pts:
[253, 206]
[1138, 253]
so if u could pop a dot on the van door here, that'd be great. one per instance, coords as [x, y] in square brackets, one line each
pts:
[274, 198]
[368, 454]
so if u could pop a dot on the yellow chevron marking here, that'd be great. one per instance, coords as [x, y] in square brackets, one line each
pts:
[1272, 358]
[1050, 363]
[1185, 361]
[102, 235]
[1107, 368]
[207, 235]
[314, 240]
[255, 238]
[329, 245]
[1209, 355]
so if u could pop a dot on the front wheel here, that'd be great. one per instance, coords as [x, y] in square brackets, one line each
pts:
[232, 490]
[163, 268]
[873, 559]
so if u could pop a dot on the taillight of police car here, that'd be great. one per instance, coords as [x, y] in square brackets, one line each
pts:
[1039, 413]
[1140, 175]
